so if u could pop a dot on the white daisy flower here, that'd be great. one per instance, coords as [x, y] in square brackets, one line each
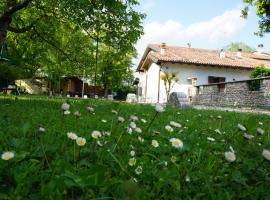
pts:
[80, 141]
[211, 139]
[120, 119]
[90, 109]
[77, 114]
[159, 108]
[138, 130]
[177, 143]
[173, 159]
[260, 131]
[187, 179]
[104, 120]
[241, 127]
[175, 124]
[66, 112]
[230, 156]
[143, 121]
[7, 155]
[140, 139]
[132, 125]
[72, 136]
[219, 117]
[266, 154]
[169, 128]
[106, 133]
[132, 153]
[218, 131]
[65, 106]
[129, 130]
[96, 134]
[114, 112]
[155, 143]
[138, 170]
[132, 161]
[133, 118]
[41, 129]
[260, 123]
[248, 136]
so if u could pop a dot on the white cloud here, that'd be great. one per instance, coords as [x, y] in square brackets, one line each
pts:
[173, 32]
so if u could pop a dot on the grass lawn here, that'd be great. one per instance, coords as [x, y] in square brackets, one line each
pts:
[118, 162]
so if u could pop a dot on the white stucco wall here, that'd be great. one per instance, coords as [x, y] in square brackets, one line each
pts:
[184, 72]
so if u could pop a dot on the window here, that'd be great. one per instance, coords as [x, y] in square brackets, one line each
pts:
[214, 79]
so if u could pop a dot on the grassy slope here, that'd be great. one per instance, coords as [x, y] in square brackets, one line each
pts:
[29, 175]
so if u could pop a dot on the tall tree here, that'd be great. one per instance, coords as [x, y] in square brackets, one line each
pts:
[263, 11]
[235, 46]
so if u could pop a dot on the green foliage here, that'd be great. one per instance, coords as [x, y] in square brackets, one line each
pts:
[101, 171]
[260, 71]
[234, 46]
[63, 34]
[263, 11]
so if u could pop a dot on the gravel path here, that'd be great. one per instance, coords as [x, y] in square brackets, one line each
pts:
[241, 110]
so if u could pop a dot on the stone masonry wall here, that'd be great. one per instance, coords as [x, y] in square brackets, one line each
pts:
[236, 93]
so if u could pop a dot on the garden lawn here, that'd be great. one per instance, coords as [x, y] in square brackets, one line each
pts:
[118, 162]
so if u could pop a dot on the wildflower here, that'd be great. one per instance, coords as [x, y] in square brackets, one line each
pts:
[114, 112]
[66, 112]
[138, 130]
[159, 108]
[7, 155]
[187, 120]
[90, 109]
[133, 118]
[132, 125]
[230, 156]
[178, 113]
[104, 120]
[260, 131]
[106, 133]
[247, 136]
[177, 143]
[241, 127]
[72, 136]
[77, 114]
[129, 130]
[132, 161]
[173, 159]
[260, 123]
[132, 153]
[65, 106]
[99, 143]
[187, 179]
[219, 117]
[138, 170]
[120, 119]
[166, 163]
[211, 139]
[175, 124]
[96, 134]
[218, 131]
[80, 141]
[169, 128]
[140, 139]
[41, 129]
[155, 143]
[143, 121]
[266, 154]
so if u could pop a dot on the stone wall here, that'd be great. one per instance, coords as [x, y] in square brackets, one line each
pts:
[238, 93]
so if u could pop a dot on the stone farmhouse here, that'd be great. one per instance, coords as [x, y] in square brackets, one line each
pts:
[193, 67]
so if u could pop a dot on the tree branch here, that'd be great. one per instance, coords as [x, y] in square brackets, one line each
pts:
[20, 30]
[12, 9]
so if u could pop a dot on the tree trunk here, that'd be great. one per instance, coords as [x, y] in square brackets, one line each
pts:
[4, 24]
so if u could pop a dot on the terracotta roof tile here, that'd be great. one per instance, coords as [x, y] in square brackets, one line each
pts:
[187, 55]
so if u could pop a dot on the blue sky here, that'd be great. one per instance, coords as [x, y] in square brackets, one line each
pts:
[210, 24]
